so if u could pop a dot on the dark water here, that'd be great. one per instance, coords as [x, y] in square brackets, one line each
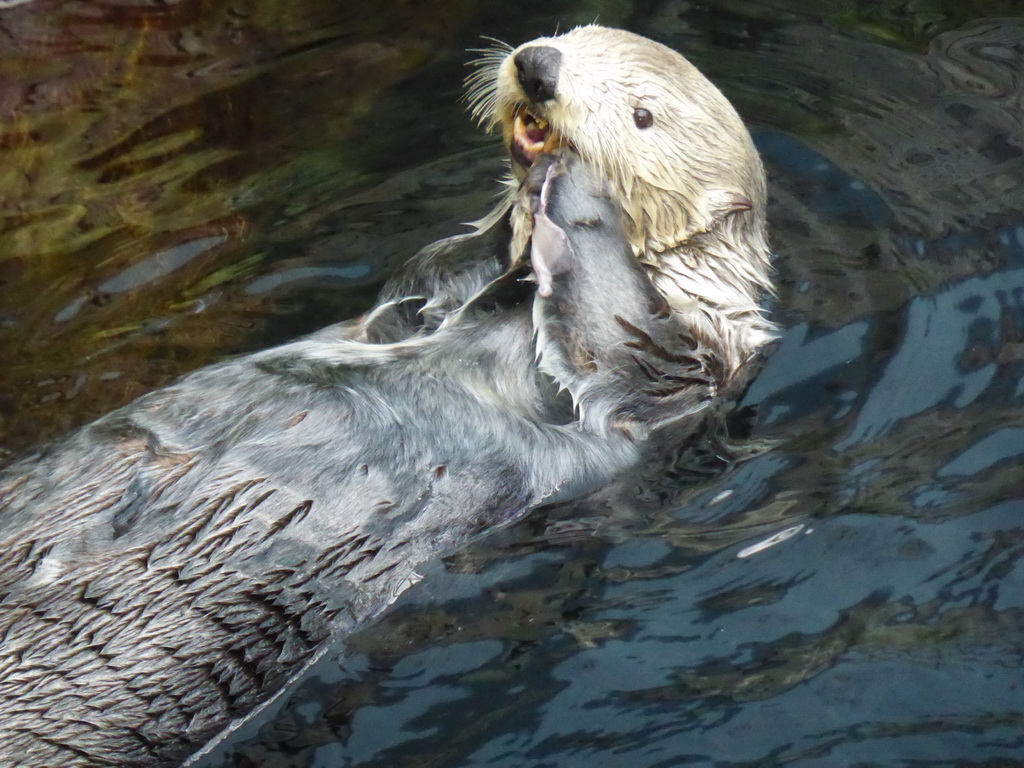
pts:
[186, 180]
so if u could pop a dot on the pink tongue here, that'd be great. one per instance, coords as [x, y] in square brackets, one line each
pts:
[536, 133]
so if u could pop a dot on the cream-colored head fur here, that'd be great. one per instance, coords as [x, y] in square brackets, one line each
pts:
[691, 183]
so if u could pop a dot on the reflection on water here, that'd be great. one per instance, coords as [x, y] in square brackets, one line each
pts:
[186, 180]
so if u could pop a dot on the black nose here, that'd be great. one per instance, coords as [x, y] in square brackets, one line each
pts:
[537, 68]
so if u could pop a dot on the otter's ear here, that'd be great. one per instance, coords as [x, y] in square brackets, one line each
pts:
[723, 202]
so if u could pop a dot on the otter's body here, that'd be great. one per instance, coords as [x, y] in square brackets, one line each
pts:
[167, 568]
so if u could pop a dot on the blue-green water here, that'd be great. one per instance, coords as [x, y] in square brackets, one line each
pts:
[187, 180]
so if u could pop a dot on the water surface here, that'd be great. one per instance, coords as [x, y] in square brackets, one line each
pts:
[182, 181]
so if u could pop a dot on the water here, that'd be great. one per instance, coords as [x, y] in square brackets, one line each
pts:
[186, 180]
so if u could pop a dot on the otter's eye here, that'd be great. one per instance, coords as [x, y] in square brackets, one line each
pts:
[643, 118]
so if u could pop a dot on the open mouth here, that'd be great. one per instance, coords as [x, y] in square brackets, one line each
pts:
[531, 137]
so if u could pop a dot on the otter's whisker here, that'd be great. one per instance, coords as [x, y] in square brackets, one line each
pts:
[482, 85]
[481, 99]
[499, 45]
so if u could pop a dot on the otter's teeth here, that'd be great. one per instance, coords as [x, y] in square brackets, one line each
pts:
[530, 147]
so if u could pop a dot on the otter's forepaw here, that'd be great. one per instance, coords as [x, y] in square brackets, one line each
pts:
[550, 250]
[574, 214]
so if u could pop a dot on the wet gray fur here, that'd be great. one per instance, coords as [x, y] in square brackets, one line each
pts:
[169, 567]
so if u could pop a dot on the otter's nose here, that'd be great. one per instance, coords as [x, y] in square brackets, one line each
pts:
[537, 69]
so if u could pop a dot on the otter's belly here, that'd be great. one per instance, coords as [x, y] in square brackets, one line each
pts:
[169, 567]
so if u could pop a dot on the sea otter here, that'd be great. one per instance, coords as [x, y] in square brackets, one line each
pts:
[168, 568]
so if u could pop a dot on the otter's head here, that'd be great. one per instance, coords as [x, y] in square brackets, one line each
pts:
[678, 155]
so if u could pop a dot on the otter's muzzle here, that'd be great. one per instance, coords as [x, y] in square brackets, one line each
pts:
[537, 71]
